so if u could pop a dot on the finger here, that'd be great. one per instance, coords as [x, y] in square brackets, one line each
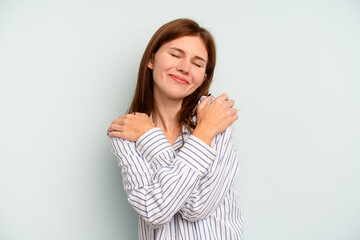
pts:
[233, 111]
[118, 121]
[116, 127]
[222, 98]
[232, 119]
[205, 101]
[230, 103]
[122, 117]
[125, 117]
[116, 134]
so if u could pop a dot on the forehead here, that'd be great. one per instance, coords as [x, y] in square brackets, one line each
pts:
[191, 45]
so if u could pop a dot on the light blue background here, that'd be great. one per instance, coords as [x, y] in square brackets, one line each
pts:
[68, 68]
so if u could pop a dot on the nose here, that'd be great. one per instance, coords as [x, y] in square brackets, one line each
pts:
[183, 66]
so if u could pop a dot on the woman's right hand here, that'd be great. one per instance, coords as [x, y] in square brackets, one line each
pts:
[213, 118]
[130, 126]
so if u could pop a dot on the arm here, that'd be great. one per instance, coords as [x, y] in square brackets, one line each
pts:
[211, 189]
[154, 150]
[158, 195]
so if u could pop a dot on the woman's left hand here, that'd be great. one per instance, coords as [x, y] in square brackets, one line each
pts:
[130, 126]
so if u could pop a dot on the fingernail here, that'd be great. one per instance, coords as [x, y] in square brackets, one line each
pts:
[209, 94]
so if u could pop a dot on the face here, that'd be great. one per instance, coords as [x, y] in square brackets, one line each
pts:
[179, 67]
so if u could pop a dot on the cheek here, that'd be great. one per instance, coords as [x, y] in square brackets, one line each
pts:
[163, 60]
[159, 68]
[199, 77]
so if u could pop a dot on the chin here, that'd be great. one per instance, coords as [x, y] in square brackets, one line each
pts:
[177, 95]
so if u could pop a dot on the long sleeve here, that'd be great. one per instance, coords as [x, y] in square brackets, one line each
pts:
[157, 194]
[213, 186]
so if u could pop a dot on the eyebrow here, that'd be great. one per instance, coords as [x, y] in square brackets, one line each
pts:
[182, 51]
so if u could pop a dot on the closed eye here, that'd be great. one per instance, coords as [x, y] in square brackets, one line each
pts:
[174, 55]
[199, 65]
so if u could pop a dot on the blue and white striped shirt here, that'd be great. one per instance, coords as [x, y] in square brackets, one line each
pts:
[181, 191]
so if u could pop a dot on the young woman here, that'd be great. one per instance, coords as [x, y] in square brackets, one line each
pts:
[175, 146]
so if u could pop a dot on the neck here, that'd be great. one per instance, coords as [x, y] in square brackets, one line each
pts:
[165, 113]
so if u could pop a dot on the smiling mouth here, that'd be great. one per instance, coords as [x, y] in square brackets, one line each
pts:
[179, 79]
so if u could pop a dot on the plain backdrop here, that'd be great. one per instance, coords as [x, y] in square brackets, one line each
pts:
[68, 68]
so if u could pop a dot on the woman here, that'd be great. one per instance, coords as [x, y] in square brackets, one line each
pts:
[175, 147]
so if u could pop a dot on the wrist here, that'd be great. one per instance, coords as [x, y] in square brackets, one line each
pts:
[143, 131]
[204, 134]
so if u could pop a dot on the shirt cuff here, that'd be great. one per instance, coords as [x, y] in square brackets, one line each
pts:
[198, 155]
[152, 143]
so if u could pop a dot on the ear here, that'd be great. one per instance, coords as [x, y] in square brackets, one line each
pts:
[151, 62]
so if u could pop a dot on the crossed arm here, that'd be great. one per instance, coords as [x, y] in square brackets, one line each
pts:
[160, 183]
[193, 182]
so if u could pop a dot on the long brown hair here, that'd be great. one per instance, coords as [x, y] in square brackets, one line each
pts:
[143, 100]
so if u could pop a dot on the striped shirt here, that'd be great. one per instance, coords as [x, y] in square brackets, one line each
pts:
[184, 191]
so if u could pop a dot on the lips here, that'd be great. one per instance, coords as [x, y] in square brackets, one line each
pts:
[179, 79]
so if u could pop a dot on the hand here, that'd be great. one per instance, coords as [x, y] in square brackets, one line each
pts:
[214, 117]
[130, 126]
